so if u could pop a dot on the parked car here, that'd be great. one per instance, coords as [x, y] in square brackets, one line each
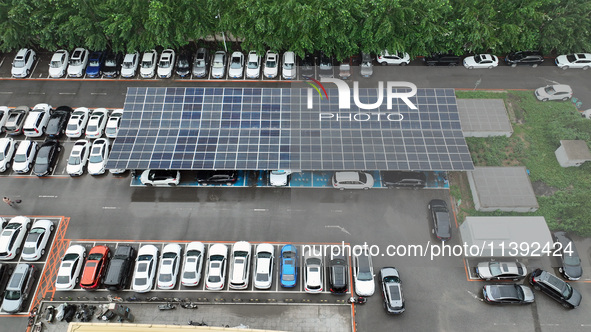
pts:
[263, 266]
[345, 69]
[113, 123]
[271, 64]
[22, 65]
[236, 67]
[216, 177]
[554, 92]
[501, 270]
[148, 65]
[201, 63]
[313, 271]
[193, 264]
[363, 274]
[78, 62]
[4, 112]
[130, 64]
[308, 66]
[120, 268]
[7, 149]
[288, 272]
[508, 294]
[402, 179]
[366, 68]
[253, 65]
[392, 290]
[279, 178]
[166, 63]
[325, 69]
[58, 121]
[159, 177]
[216, 267]
[96, 61]
[145, 269]
[46, 157]
[442, 59]
[396, 58]
[58, 63]
[481, 61]
[557, 289]
[183, 64]
[571, 268]
[24, 156]
[440, 218]
[68, 274]
[16, 120]
[338, 276]
[112, 66]
[78, 158]
[12, 237]
[218, 67]
[36, 121]
[19, 287]
[97, 122]
[239, 265]
[289, 70]
[98, 156]
[169, 266]
[530, 58]
[352, 180]
[36, 240]
[577, 60]
[95, 267]
[5, 273]
[77, 122]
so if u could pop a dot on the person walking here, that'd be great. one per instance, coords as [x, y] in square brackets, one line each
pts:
[7, 201]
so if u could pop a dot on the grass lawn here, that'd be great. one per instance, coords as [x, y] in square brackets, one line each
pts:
[564, 194]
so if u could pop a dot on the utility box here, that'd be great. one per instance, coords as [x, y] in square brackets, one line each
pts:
[572, 153]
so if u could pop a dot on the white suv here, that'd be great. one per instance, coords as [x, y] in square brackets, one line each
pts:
[23, 63]
[289, 66]
[59, 63]
[271, 65]
[78, 62]
[166, 64]
[253, 65]
[129, 66]
[36, 121]
[24, 156]
[148, 66]
[396, 58]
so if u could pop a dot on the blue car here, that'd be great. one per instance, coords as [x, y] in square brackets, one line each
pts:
[289, 266]
[95, 64]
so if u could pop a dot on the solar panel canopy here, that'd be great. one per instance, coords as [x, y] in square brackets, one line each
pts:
[275, 128]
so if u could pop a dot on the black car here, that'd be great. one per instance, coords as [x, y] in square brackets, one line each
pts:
[338, 274]
[58, 121]
[183, 64]
[508, 294]
[307, 66]
[571, 268]
[396, 179]
[112, 66]
[531, 58]
[217, 177]
[46, 157]
[442, 59]
[120, 268]
[556, 288]
[440, 218]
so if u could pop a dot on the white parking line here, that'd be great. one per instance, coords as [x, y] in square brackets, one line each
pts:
[36, 93]
[67, 93]
[6, 92]
[98, 93]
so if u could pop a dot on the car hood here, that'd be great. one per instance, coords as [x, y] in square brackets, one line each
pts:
[541, 92]
[561, 60]
[18, 71]
[11, 306]
[364, 287]
[528, 294]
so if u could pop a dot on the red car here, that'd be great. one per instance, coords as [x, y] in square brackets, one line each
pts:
[95, 267]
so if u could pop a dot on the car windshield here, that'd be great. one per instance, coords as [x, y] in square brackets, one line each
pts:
[183, 63]
[271, 63]
[75, 62]
[572, 260]
[146, 64]
[20, 158]
[262, 277]
[55, 64]
[567, 292]
[96, 158]
[72, 126]
[18, 63]
[165, 278]
[236, 63]
[571, 58]
[94, 63]
[189, 275]
[164, 64]
[199, 63]
[362, 178]
[287, 65]
[41, 159]
[95, 256]
[550, 90]
[92, 128]
[29, 250]
[63, 279]
[128, 65]
[13, 295]
[74, 160]
[214, 278]
[253, 65]
[111, 63]
[218, 64]
[392, 279]
[495, 268]
[141, 281]
[2, 155]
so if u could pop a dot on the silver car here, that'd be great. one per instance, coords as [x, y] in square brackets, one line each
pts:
[392, 290]
[352, 180]
[201, 63]
[19, 287]
[501, 270]
[218, 68]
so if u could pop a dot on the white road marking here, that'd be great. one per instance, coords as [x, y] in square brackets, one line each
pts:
[260, 210]
[67, 93]
[47, 196]
[110, 207]
[99, 93]
[6, 92]
[36, 93]
[339, 227]
[475, 296]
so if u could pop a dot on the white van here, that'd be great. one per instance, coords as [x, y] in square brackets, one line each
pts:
[36, 121]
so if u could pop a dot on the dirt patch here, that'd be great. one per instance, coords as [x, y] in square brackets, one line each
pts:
[516, 113]
[542, 189]
[460, 190]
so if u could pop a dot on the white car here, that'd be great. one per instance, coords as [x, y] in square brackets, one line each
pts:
[577, 60]
[37, 239]
[99, 154]
[217, 259]
[166, 63]
[554, 92]
[59, 63]
[240, 265]
[78, 158]
[23, 63]
[24, 156]
[78, 62]
[352, 180]
[4, 112]
[271, 65]
[68, 274]
[148, 65]
[279, 178]
[218, 66]
[363, 274]
[97, 122]
[263, 266]
[113, 123]
[7, 148]
[396, 58]
[145, 269]
[253, 65]
[12, 237]
[160, 177]
[313, 271]
[77, 122]
[481, 61]
[236, 67]
[169, 266]
[36, 121]
[129, 65]
[193, 264]
[289, 71]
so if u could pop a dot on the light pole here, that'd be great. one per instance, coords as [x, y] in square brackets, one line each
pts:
[223, 35]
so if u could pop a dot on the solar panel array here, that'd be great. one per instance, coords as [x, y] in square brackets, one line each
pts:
[272, 128]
